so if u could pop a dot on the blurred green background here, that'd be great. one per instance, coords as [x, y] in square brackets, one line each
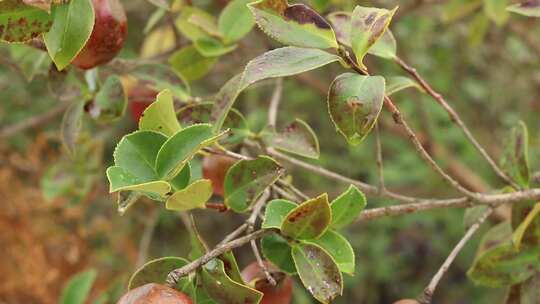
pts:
[61, 220]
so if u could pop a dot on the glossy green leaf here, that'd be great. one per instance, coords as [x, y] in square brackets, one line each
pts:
[211, 47]
[20, 22]
[110, 102]
[160, 115]
[354, 104]
[339, 248]
[515, 160]
[201, 113]
[278, 251]
[137, 152]
[503, 265]
[532, 220]
[221, 288]
[368, 24]
[318, 271]
[189, 63]
[235, 20]
[308, 220]
[72, 26]
[71, 126]
[294, 25]
[275, 213]
[155, 271]
[181, 147]
[397, 83]
[193, 196]
[280, 62]
[530, 8]
[384, 47]
[247, 179]
[496, 11]
[347, 207]
[183, 178]
[78, 287]
[160, 77]
[121, 180]
[297, 138]
[231, 267]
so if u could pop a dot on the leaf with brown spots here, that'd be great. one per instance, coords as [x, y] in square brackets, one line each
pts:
[530, 8]
[309, 220]
[295, 25]
[318, 271]
[20, 22]
[354, 104]
[247, 179]
[368, 24]
[222, 289]
[297, 138]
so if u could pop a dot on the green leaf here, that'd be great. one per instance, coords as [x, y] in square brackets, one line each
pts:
[339, 248]
[503, 265]
[160, 115]
[71, 126]
[347, 207]
[354, 104]
[275, 213]
[136, 153]
[457, 9]
[297, 138]
[231, 267]
[515, 160]
[318, 271]
[193, 196]
[280, 62]
[78, 287]
[31, 61]
[189, 63]
[368, 24]
[235, 20]
[198, 245]
[160, 77]
[530, 8]
[294, 25]
[496, 11]
[206, 22]
[247, 179]
[472, 215]
[201, 113]
[308, 220]
[155, 271]
[71, 29]
[190, 30]
[183, 178]
[384, 47]
[527, 223]
[110, 102]
[211, 47]
[395, 84]
[278, 251]
[181, 147]
[221, 288]
[20, 22]
[121, 180]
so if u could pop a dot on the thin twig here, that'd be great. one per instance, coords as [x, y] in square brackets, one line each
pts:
[427, 295]
[455, 118]
[175, 275]
[283, 193]
[34, 121]
[379, 158]
[274, 103]
[294, 190]
[146, 238]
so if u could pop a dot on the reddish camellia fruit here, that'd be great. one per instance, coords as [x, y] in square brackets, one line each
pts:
[139, 98]
[215, 168]
[108, 35]
[154, 294]
[279, 294]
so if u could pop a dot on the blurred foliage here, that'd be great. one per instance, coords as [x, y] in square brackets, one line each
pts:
[487, 65]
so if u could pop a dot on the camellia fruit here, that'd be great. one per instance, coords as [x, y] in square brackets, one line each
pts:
[108, 35]
[215, 168]
[139, 98]
[254, 276]
[153, 294]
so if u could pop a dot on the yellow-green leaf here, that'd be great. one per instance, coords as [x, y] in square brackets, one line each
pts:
[193, 196]
[160, 115]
